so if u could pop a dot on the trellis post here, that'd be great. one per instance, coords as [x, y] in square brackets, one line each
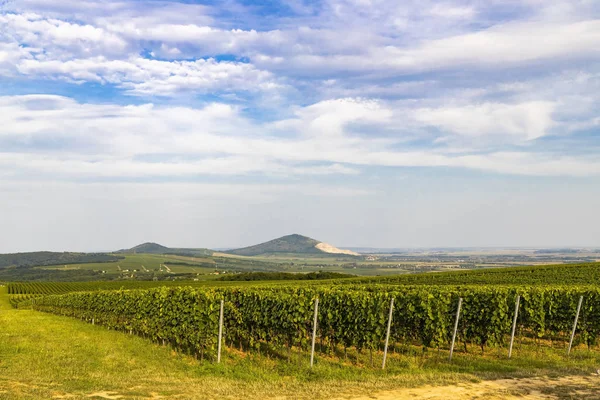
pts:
[514, 327]
[314, 334]
[387, 335]
[455, 327]
[575, 325]
[220, 332]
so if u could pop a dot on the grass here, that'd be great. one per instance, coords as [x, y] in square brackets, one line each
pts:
[45, 356]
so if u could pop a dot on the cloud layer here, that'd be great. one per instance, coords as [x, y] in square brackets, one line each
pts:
[298, 94]
[329, 137]
[453, 84]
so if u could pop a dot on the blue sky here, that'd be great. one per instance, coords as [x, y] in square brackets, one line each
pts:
[358, 122]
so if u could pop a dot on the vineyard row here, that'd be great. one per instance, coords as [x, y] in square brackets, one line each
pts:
[354, 317]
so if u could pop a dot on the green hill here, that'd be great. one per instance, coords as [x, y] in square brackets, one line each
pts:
[147, 248]
[155, 248]
[290, 244]
[42, 258]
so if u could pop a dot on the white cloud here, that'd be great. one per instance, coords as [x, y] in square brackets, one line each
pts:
[40, 47]
[10, 55]
[331, 117]
[207, 39]
[108, 141]
[146, 77]
[497, 47]
[355, 39]
[509, 43]
[60, 38]
[528, 121]
[93, 11]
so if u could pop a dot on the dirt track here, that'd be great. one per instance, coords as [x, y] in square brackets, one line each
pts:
[569, 387]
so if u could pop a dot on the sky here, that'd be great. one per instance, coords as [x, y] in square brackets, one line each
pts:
[374, 123]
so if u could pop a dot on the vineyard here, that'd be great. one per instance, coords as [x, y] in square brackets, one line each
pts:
[560, 274]
[350, 317]
[45, 288]
[19, 292]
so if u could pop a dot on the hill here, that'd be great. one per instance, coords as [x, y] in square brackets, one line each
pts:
[155, 248]
[291, 244]
[43, 258]
[147, 248]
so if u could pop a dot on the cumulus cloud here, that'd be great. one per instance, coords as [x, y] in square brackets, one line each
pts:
[59, 38]
[10, 55]
[131, 142]
[41, 47]
[348, 43]
[145, 77]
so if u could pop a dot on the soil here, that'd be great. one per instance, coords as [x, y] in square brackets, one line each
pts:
[567, 387]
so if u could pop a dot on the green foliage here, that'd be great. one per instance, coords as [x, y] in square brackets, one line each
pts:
[561, 274]
[350, 316]
[41, 258]
[184, 317]
[11, 274]
[21, 291]
[280, 276]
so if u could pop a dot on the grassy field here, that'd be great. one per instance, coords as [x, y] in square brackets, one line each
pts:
[49, 356]
[147, 264]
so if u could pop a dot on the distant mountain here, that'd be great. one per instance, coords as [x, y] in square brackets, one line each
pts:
[291, 244]
[155, 248]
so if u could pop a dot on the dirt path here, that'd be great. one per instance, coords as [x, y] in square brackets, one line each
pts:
[568, 387]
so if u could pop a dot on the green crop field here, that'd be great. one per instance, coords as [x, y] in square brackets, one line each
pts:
[146, 263]
[560, 274]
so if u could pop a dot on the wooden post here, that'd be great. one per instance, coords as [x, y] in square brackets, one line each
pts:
[314, 335]
[220, 332]
[514, 327]
[455, 327]
[575, 325]
[387, 335]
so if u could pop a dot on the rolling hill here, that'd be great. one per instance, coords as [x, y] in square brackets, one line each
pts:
[291, 244]
[146, 248]
[42, 258]
[155, 248]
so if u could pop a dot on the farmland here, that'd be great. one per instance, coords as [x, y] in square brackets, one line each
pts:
[91, 362]
[151, 261]
[141, 264]
[268, 328]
